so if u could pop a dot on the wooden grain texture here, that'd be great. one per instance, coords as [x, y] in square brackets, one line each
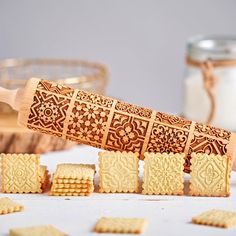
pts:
[111, 124]
[14, 139]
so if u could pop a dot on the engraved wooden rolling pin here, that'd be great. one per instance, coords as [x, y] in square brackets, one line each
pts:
[111, 124]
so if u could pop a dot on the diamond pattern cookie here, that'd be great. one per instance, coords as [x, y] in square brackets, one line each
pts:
[8, 206]
[218, 218]
[121, 225]
[118, 172]
[210, 175]
[163, 173]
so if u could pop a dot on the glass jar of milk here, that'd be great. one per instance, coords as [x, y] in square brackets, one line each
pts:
[210, 84]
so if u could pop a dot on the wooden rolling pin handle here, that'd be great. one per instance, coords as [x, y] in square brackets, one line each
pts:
[11, 97]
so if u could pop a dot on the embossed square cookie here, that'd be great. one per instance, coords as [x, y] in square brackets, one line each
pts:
[210, 175]
[118, 172]
[218, 218]
[8, 206]
[163, 173]
[42, 230]
[121, 225]
[20, 173]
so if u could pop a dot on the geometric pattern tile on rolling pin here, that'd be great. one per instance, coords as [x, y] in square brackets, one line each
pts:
[56, 88]
[49, 112]
[212, 131]
[173, 120]
[165, 138]
[126, 133]
[87, 123]
[95, 99]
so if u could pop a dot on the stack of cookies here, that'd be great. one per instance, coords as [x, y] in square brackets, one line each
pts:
[22, 173]
[73, 180]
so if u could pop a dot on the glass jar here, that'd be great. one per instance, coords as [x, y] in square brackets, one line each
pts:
[210, 83]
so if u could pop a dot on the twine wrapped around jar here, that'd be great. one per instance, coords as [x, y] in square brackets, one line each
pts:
[210, 79]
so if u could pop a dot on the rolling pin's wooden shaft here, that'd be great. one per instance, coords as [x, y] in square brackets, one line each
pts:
[110, 124]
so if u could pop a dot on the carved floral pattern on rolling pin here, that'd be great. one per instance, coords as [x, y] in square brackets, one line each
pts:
[167, 139]
[114, 125]
[216, 132]
[48, 111]
[126, 133]
[87, 123]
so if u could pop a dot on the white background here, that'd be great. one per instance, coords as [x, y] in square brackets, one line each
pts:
[142, 42]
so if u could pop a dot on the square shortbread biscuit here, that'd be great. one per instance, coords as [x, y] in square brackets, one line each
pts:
[218, 218]
[72, 181]
[73, 190]
[20, 173]
[121, 225]
[210, 175]
[8, 206]
[163, 173]
[118, 172]
[75, 171]
[42, 230]
[65, 186]
[68, 194]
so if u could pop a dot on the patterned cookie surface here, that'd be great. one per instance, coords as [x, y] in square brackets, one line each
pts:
[42, 230]
[218, 218]
[210, 175]
[163, 173]
[8, 206]
[121, 225]
[118, 172]
[20, 173]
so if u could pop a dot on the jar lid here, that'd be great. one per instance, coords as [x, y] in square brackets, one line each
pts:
[214, 47]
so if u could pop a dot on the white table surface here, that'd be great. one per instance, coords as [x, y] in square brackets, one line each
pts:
[167, 215]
